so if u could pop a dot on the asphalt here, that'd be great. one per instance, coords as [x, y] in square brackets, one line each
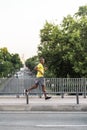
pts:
[56, 103]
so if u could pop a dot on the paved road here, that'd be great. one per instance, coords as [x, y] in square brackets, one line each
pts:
[43, 121]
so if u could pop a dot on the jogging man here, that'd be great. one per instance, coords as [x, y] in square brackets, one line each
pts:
[39, 78]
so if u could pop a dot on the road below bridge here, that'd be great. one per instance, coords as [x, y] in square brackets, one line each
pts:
[43, 120]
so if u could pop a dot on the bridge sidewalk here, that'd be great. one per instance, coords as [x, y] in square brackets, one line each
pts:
[56, 103]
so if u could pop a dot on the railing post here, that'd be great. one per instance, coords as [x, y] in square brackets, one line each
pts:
[62, 89]
[84, 87]
[77, 95]
[27, 99]
[40, 94]
[17, 80]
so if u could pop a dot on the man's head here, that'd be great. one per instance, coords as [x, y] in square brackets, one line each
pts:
[42, 60]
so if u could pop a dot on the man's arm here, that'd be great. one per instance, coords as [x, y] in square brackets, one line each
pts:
[36, 68]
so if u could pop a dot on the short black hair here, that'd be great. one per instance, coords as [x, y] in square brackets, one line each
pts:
[41, 58]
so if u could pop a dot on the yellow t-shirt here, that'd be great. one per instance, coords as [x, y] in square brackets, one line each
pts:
[41, 68]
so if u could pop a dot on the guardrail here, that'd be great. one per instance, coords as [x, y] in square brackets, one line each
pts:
[69, 86]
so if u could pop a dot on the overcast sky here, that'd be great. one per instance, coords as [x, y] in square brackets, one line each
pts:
[21, 21]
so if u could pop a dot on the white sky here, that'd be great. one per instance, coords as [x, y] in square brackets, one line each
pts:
[21, 21]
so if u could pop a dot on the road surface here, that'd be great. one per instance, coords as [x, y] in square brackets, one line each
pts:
[43, 120]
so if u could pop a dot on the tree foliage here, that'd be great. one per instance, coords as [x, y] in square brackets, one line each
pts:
[31, 63]
[9, 63]
[65, 46]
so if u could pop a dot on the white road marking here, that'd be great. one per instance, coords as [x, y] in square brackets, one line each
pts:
[61, 125]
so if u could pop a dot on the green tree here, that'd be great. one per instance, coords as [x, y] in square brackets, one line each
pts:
[17, 64]
[9, 63]
[64, 46]
[31, 63]
[82, 11]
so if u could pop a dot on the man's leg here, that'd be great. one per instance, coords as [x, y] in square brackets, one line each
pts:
[31, 88]
[44, 91]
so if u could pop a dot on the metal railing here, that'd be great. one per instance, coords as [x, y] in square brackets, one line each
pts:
[69, 86]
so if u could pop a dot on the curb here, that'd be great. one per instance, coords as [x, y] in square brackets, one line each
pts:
[34, 107]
